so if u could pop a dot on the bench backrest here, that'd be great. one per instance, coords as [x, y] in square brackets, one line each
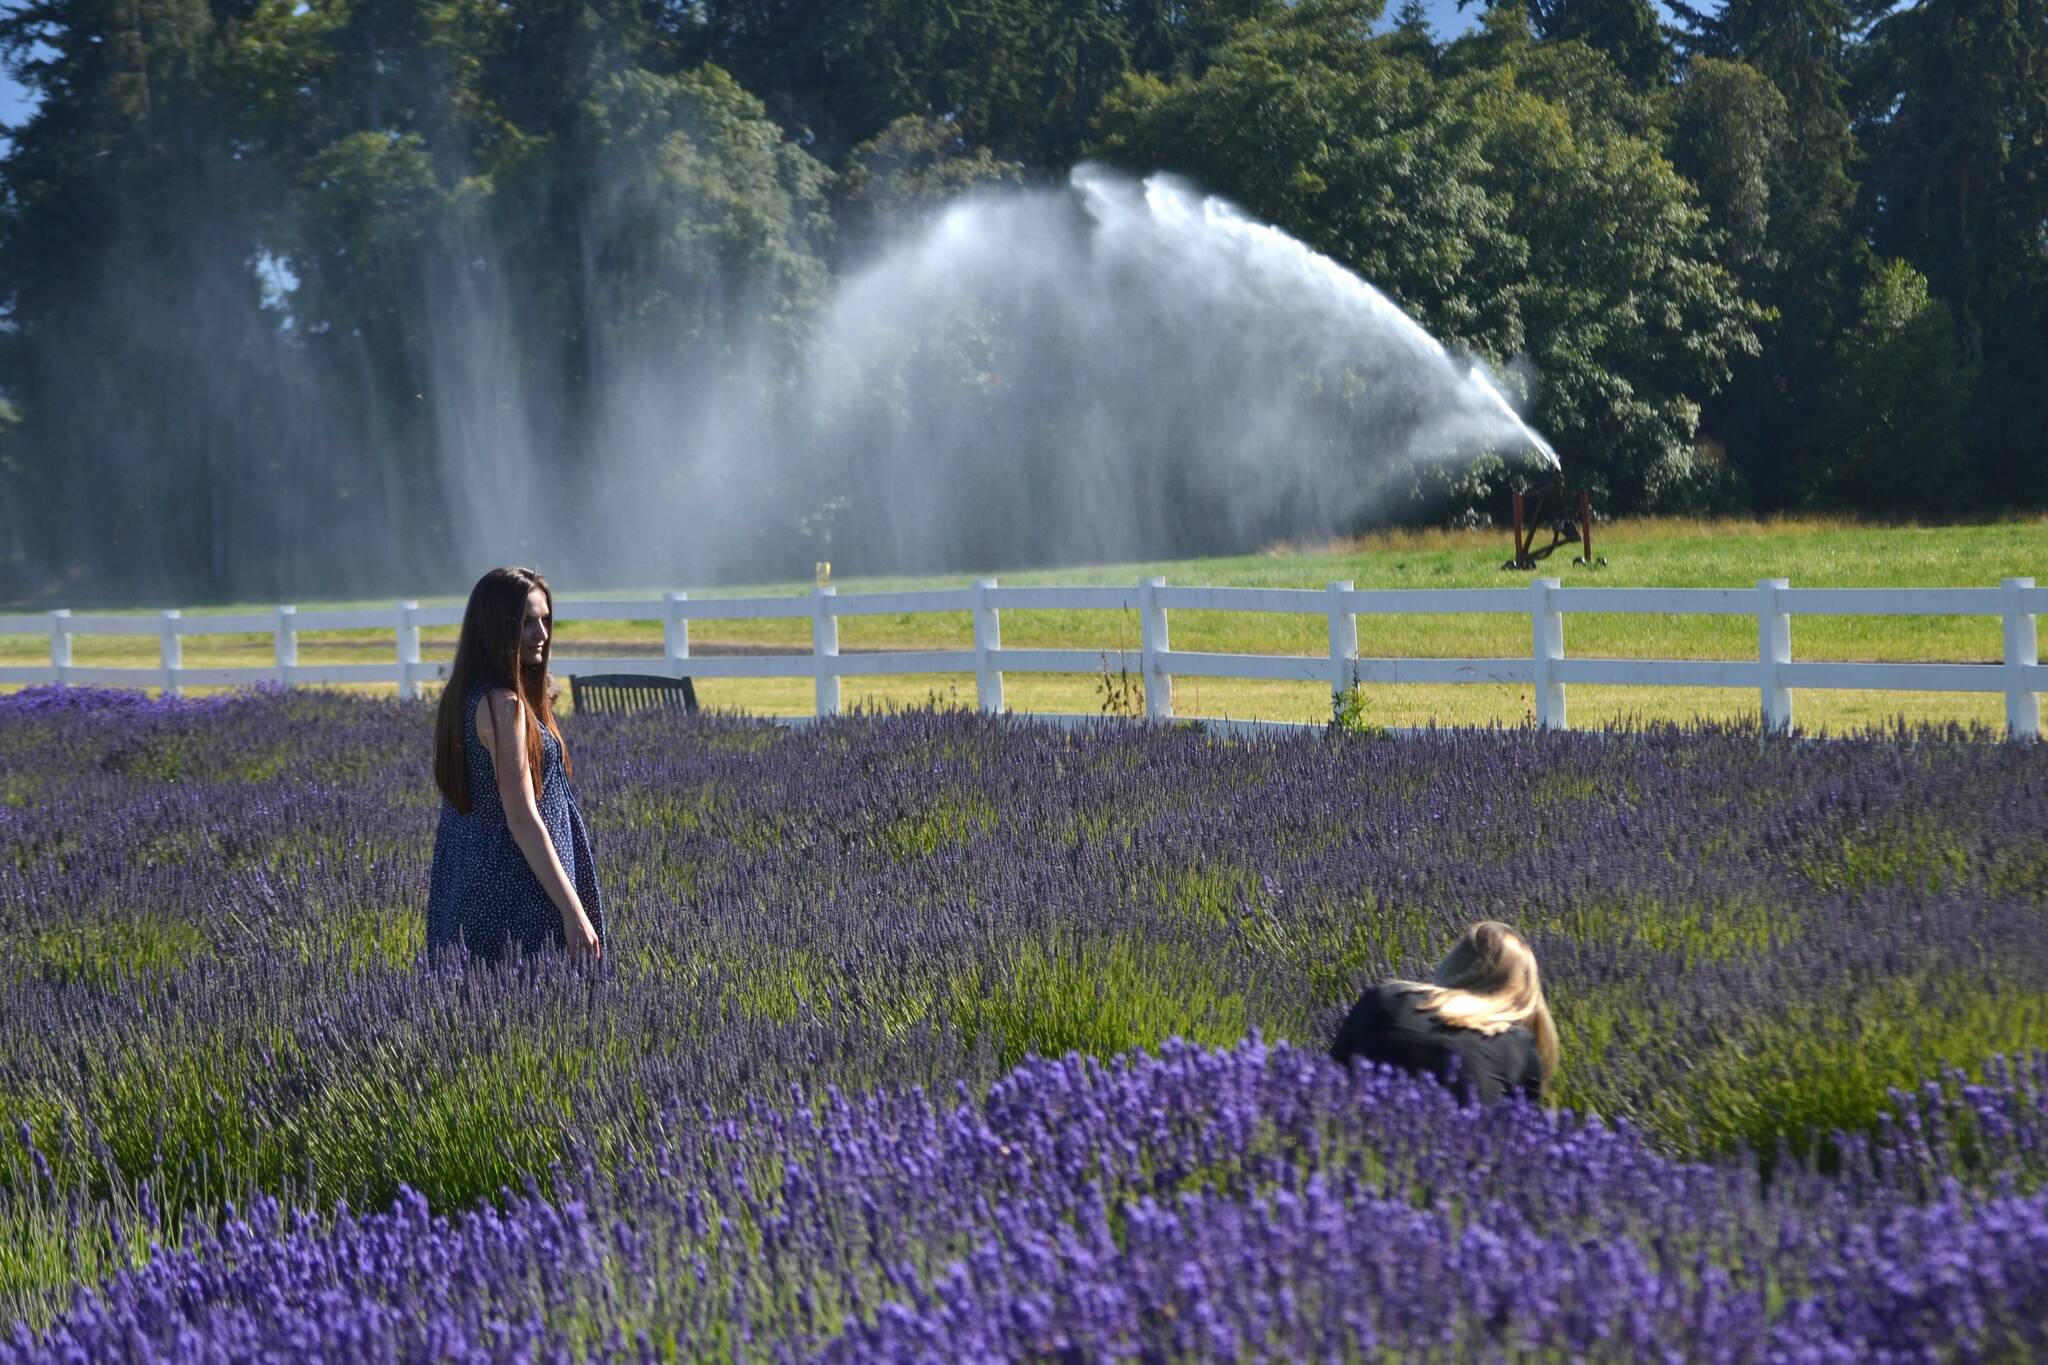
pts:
[615, 694]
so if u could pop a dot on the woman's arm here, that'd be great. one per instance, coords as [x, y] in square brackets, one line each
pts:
[501, 723]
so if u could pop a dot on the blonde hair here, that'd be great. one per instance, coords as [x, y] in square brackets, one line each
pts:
[1488, 983]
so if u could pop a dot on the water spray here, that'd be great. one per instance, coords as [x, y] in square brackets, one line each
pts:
[1477, 376]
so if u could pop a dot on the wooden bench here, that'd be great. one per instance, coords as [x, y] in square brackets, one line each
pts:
[616, 694]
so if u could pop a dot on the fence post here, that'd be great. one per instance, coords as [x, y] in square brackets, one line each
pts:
[408, 651]
[1152, 639]
[286, 632]
[988, 637]
[2022, 652]
[60, 644]
[1773, 647]
[1343, 643]
[675, 634]
[170, 652]
[1546, 634]
[825, 646]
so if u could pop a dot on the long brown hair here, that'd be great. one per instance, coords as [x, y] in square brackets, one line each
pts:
[488, 651]
[1488, 983]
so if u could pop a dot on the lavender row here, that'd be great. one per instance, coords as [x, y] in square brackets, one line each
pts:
[1253, 1203]
[210, 921]
[1673, 883]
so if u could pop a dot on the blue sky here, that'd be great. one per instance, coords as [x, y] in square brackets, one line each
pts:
[14, 104]
[1447, 20]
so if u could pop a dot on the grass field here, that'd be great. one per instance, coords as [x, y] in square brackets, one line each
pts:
[1811, 553]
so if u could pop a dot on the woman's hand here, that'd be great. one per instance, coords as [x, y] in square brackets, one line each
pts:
[580, 937]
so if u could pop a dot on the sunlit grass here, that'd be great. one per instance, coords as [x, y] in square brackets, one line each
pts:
[1098, 997]
[1822, 1067]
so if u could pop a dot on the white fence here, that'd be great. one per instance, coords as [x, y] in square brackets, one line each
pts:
[2019, 676]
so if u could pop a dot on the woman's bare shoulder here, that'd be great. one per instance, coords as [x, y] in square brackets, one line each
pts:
[492, 702]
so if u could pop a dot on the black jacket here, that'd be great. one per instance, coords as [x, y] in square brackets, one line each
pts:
[1387, 1025]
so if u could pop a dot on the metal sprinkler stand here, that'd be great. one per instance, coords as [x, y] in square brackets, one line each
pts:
[1553, 508]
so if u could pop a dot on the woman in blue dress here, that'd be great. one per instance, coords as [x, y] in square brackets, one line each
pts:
[513, 873]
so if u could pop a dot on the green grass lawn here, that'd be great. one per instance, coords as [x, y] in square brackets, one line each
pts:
[1657, 553]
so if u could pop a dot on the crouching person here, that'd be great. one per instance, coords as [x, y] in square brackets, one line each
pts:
[1479, 1026]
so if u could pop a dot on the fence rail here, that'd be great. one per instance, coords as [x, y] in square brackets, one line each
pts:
[2019, 676]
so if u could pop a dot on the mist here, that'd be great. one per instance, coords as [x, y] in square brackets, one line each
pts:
[1108, 370]
[1098, 371]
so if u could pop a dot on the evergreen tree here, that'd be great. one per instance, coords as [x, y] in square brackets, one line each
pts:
[836, 72]
[1956, 101]
[1808, 270]
[134, 310]
[1177, 38]
[1625, 31]
[1802, 47]
[1412, 37]
[1728, 136]
[1897, 403]
[1024, 79]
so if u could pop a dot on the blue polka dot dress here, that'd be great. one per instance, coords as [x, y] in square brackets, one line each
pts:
[483, 895]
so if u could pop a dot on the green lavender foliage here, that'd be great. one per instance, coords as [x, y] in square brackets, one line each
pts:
[210, 928]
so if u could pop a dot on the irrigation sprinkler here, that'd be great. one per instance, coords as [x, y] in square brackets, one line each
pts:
[1567, 514]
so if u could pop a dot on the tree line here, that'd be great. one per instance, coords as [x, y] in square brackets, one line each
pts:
[265, 264]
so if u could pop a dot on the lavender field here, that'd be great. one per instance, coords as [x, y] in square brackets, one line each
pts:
[1802, 989]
